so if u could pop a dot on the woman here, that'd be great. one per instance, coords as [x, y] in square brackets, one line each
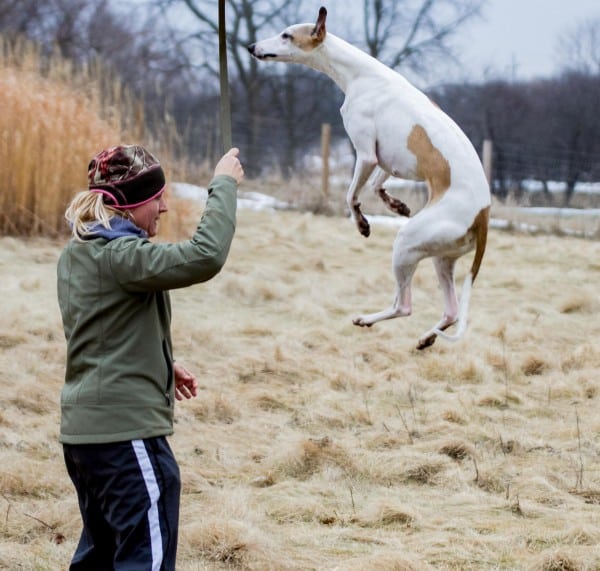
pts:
[121, 379]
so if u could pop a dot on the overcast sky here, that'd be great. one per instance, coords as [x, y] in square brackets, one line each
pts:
[518, 38]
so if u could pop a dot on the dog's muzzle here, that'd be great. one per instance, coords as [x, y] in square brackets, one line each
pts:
[252, 50]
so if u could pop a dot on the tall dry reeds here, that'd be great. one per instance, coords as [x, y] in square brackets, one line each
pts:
[54, 116]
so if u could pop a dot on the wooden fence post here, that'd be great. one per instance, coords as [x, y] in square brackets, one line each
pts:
[325, 145]
[487, 160]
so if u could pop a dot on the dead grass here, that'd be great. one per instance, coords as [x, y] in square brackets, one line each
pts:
[56, 123]
[54, 118]
[315, 445]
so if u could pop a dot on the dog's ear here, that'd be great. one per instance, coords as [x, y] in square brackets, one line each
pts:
[319, 32]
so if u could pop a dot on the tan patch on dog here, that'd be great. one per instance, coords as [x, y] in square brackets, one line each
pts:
[306, 43]
[432, 166]
[476, 235]
[480, 229]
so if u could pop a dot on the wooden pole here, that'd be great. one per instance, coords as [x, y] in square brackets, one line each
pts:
[226, 135]
[486, 159]
[325, 145]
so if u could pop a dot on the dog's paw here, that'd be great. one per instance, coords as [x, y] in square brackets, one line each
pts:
[399, 207]
[361, 322]
[361, 222]
[425, 342]
[402, 209]
[364, 228]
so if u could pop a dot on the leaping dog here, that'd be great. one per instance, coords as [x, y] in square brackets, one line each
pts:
[397, 130]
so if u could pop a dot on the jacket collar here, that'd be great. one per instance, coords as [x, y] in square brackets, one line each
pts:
[119, 227]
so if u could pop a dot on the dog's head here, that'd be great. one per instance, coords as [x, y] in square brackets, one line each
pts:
[294, 44]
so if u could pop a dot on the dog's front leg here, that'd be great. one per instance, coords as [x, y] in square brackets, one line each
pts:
[362, 171]
[394, 204]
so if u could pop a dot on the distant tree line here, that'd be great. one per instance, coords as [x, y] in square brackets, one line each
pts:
[166, 52]
[546, 130]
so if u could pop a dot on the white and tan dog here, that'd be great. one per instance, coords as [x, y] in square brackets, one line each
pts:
[397, 130]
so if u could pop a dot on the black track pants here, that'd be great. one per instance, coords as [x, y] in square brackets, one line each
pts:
[129, 501]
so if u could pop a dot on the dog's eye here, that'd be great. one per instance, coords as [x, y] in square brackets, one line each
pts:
[286, 36]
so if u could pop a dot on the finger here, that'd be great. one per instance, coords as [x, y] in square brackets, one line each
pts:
[191, 387]
[182, 393]
[233, 152]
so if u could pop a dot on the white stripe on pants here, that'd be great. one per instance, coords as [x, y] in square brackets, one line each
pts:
[154, 493]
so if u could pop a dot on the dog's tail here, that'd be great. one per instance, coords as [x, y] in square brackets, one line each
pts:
[480, 227]
[463, 312]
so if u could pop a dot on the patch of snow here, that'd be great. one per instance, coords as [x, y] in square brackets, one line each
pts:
[189, 191]
[558, 212]
[532, 185]
[247, 200]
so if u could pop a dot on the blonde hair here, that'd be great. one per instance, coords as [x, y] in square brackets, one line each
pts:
[87, 209]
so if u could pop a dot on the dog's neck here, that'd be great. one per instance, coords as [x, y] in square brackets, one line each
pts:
[343, 62]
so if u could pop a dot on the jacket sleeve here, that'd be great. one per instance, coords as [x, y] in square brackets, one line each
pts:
[140, 265]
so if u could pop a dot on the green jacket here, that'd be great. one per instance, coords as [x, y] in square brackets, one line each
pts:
[114, 300]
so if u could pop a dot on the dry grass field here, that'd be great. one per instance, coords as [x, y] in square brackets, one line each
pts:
[316, 445]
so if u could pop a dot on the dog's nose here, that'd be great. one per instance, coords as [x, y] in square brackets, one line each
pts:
[251, 48]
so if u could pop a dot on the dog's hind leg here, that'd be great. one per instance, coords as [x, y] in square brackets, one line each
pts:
[444, 268]
[362, 171]
[401, 307]
[404, 265]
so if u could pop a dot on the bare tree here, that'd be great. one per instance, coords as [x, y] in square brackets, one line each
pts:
[580, 48]
[408, 33]
[83, 30]
[547, 130]
[576, 126]
[19, 17]
[245, 18]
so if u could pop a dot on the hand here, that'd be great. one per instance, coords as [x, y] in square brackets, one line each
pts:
[230, 165]
[186, 385]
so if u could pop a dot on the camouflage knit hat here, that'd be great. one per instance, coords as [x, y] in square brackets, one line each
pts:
[127, 176]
